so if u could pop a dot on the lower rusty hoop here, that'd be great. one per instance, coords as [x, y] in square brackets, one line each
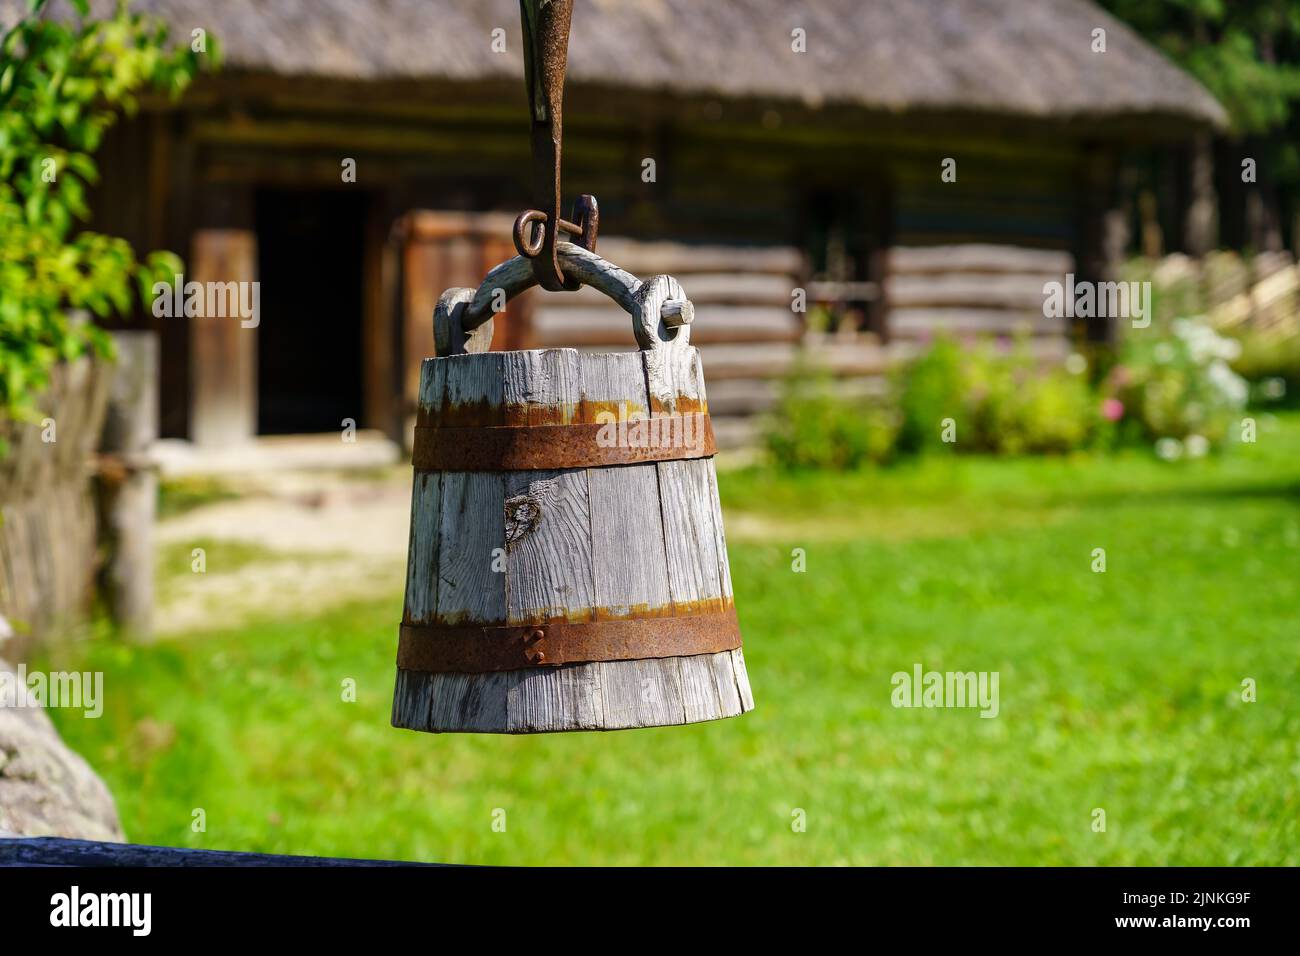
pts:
[475, 649]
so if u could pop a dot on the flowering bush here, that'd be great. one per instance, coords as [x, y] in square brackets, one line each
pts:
[1171, 390]
[1176, 389]
[999, 401]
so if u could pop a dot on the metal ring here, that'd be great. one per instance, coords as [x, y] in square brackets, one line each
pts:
[526, 244]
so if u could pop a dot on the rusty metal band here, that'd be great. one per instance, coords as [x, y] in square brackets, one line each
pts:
[543, 447]
[476, 650]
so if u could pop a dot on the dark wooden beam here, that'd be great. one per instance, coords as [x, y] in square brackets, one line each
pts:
[54, 851]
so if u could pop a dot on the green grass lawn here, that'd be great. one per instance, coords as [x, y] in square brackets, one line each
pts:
[1119, 691]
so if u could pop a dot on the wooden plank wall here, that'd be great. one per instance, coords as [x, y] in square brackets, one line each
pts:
[972, 289]
[47, 512]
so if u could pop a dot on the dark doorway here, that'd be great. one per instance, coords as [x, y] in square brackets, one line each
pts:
[309, 262]
[846, 237]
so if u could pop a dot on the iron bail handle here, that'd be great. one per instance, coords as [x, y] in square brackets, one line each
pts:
[661, 313]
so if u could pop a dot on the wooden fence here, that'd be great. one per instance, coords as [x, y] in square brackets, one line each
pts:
[1263, 296]
[47, 508]
[1260, 295]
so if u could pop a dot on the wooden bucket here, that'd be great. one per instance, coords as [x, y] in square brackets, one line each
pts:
[567, 568]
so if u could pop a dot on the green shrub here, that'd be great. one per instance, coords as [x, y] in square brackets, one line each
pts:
[814, 427]
[61, 87]
[1271, 363]
[999, 401]
[1052, 412]
[933, 387]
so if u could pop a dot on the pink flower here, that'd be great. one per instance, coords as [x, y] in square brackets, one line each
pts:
[1112, 409]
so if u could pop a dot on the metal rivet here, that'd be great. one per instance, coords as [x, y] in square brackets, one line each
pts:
[536, 657]
[533, 636]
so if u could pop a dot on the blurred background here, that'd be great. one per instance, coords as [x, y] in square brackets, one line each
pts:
[865, 200]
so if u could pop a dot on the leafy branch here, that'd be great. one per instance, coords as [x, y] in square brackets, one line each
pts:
[62, 85]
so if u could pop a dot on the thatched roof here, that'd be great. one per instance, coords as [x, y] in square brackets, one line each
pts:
[1020, 58]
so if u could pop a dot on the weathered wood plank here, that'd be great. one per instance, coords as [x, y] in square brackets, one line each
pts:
[629, 561]
[471, 589]
[413, 700]
[1020, 291]
[694, 565]
[742, 679]
[977, 257]
[422, 549]
[556, 699]
[700, 699]
[645, 693]
[624, 504]
[541, 387]
[472, 529]
[719, 537]
[469, 703]
[548, 549]
[974, 321]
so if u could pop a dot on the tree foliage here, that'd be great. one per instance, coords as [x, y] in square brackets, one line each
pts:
[1246, 52]
[62, 84]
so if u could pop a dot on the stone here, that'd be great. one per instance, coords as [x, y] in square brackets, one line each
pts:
[45, 788]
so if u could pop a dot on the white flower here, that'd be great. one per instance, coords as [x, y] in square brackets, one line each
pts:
[1164, 353]
[1229, 384]
[1076, 364]
[1203, 343]
[1170, 449]
[1273, 388]
[1198, 446]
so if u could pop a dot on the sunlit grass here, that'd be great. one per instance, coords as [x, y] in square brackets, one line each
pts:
[1119, 691]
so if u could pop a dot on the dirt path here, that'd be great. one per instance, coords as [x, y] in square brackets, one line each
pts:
[309, 541]
[306, 543]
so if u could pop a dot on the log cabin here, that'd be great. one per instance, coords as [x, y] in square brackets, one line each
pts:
[912, 165]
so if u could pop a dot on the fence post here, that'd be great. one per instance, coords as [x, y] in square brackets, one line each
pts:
[129, 484]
